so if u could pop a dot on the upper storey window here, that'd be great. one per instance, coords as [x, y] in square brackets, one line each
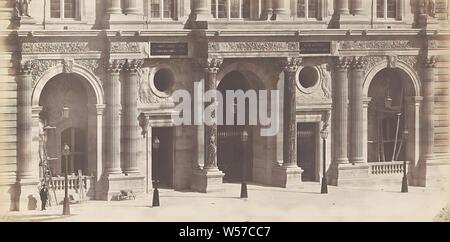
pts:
[66, 9]
[162, 9]
[307, 9]
[387, 9]
[230, 9]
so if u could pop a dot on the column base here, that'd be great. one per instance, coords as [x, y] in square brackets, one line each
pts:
[436, 174]
[287, 176]
[24, 195]
[280, 17]
[424, 20]
[206, 181]
[349, 174]
[118, 21]
[111, 184]
[357, 160]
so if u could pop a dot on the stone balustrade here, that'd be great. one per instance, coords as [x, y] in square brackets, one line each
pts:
[74, 182]
[386, 168]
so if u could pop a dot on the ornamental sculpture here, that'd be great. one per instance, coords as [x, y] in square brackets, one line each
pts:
[22, 8]
[427, 7]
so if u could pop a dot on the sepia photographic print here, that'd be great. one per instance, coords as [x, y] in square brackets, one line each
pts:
[224, 111]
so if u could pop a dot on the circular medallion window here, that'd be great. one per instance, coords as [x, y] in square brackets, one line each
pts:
[308, 78]
[163, 82]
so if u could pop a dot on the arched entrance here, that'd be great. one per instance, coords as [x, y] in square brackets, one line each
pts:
[391, 117]
[66, 101]
[233, 152]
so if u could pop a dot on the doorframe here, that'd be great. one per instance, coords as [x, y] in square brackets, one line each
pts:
[157, 119]
[315, 118]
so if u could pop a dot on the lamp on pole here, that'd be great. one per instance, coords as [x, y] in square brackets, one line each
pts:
[143, 123]
[66, 205]
[156, 144]
[244, 139]
[405, 176]
[324, 187]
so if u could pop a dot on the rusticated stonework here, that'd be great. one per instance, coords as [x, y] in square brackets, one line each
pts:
[55, 47]
[120, 47]
[253, 46]
[377, 44]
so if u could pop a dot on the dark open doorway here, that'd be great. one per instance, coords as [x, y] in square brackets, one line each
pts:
[162, 160]
[233, 152]
[306, 150]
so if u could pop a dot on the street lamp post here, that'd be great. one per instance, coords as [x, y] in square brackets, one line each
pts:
[156, 143]
[244, 138]
[324, 187]
[405, 176]
[66, 205]
[143, 123]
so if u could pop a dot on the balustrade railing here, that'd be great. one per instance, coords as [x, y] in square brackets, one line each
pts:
[74, 182]
[387, 168]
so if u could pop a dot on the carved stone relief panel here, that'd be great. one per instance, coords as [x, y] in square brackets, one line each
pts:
[252, 46]
[55, 47]
[319, 89]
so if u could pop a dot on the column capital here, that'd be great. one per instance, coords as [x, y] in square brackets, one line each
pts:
[133, 65]
[27, 67]
[358, 63]
[210, 65]
[430, 61]
[115, 66]
[342, 63]
[291, 64]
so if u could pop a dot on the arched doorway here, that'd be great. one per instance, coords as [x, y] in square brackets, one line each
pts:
[391, 117]
[69, 120]
[233, 151]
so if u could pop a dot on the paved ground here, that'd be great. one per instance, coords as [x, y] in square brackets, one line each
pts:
[264, 204]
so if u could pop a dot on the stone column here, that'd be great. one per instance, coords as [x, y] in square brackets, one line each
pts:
[211, 130]
[100, 108]
[200, 11]
[24, 123]
[356, 111]
[114, 7]
[429, 78]
[290, 67]
[131, 7]
[113, 119]
[130, 117]
[341, 110]
[210, 178]
[289, 173]
[281, 10]
[341, 7]
[357, 7]
[267, 11]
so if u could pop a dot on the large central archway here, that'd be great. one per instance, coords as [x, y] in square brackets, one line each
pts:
[69, 120]
[233, 152]
[392, 117]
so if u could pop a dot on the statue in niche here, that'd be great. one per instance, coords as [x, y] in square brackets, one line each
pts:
[427, 7]
[325, 80]
[22, 8]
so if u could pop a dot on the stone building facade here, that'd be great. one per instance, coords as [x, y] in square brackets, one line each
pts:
[77, 72]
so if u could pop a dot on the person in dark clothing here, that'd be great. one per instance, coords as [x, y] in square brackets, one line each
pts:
[44, 195]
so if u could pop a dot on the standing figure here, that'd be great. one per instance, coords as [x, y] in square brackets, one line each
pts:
[432, 8]
[22, 8]
[44, 196]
